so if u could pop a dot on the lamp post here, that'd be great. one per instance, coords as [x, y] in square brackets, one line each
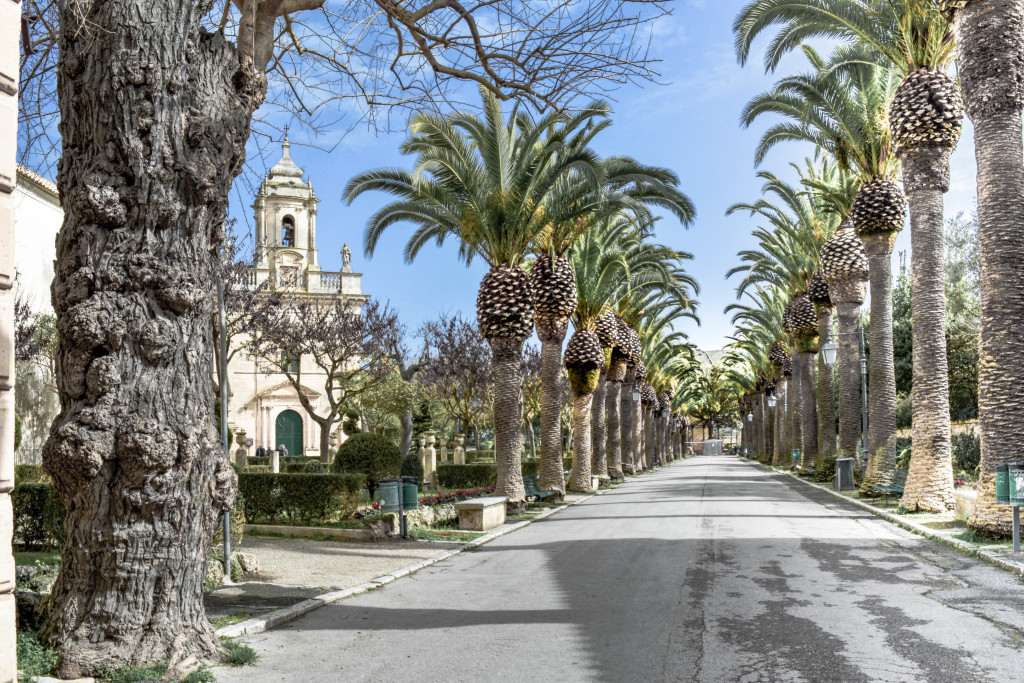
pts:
[636, 394]
[829, 351]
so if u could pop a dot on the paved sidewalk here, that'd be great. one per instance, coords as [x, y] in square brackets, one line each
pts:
[709, 570]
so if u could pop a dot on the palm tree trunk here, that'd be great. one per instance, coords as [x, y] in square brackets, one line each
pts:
[508, 417]
[930, 480]
[551, 333]
[795, 408]
[780, 453]
[637, 439]
[764, 418]
[626, 421]
[808, 413]
[616, 373]
[648, 438]
[882, 375]
[580, 477]
[599, 463]
[825, 390]
[848, 319]
[990, 43]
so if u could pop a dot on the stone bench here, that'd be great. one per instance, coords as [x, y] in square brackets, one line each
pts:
[481, 514]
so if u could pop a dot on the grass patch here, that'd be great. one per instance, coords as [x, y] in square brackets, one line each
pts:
[424, 534]
[230, 619]
[33, 658]
[975, 537]
[30, 558]
[136, 674]
[240, 654]
[522, 517]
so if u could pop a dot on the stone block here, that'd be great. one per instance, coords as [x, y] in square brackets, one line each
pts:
[965, 501]
[481, 514]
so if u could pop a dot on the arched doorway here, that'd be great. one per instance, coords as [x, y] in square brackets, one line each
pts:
[288, 431]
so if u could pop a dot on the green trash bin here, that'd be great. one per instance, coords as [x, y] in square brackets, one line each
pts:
[1015, 472]
[410, 493]
[387, 490]
[1003, 483]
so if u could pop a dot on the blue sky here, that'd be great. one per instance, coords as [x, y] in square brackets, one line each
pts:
[688, 122]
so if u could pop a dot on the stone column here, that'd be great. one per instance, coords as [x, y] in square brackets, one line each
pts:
[10, 22]
[443, 455]
[460, 450]
[422, 455]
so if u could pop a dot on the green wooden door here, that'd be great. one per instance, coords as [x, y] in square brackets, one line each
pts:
[288, 428]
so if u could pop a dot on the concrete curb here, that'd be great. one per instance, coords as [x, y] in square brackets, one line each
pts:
[261, 624]
[912, 526]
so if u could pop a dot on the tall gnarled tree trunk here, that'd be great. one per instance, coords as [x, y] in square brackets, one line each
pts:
[616, 375]
[599, 462]
[155, 115]
[825, 391]
[990, 51]
[626, 420]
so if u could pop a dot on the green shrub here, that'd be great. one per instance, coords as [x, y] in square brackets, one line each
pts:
[38, 516]
[371, 455]
[30, 474]
[305, 498]
[33, 658]
[314, 467]
[17, 431]
[412, 467]
[567, 464]
[903, 452]
[239, 654]
[966, 451]
[476, 475]
[531, 468]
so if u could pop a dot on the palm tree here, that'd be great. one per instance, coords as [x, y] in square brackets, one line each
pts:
[990, 61]
[911, 39]
[484, 180]
[573, 207]
[840, 107]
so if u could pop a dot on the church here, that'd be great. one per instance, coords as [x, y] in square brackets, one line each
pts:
[264, 407]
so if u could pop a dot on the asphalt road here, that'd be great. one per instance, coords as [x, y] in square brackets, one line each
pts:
[711, 569]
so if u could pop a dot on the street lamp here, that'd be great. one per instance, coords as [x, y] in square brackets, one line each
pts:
[750, 417]
[829, 350]
[772, 400]
[636, 394]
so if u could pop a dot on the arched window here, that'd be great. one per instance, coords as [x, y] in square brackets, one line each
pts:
[287, 231]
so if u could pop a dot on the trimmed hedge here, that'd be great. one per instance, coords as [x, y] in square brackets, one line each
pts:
[30, 474]
[304, 498]
[38, 517]
[412, 467]
[480, 474]
[476, 475]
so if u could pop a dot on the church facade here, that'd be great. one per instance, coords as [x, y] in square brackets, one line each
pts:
[264, 406]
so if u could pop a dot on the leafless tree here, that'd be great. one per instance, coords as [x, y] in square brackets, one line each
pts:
[456, 368]
[351, 351]
[156, 103]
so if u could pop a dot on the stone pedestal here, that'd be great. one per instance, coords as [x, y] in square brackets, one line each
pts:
[460, 450]
[275, 461]
[443, 455]
[481, 514]
[428, 456]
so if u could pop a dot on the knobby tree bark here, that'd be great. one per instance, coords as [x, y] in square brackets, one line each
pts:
[616, 375]
[781, 453]
[825, 391]
[508, 417]
[155, 114]
[808, 412]
[580, 477]
[626, 420]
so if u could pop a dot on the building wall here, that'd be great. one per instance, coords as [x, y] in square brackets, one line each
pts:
[37, 220]
[10, 22]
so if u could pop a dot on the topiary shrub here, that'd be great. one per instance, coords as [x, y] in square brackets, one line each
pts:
[314, 467]
[371, 455]
[412, 467]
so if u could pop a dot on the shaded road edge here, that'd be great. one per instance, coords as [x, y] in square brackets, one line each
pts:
[281, 616]
[988, 556]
